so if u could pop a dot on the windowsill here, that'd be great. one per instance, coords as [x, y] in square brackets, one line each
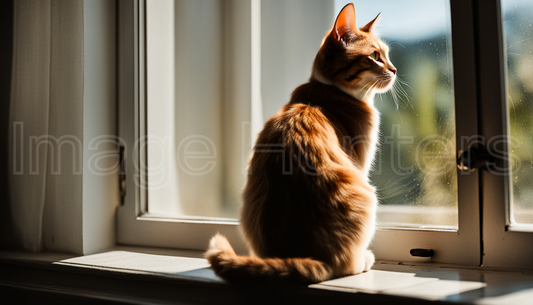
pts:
[135, 274]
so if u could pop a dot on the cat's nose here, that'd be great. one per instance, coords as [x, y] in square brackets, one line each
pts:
[393, 70]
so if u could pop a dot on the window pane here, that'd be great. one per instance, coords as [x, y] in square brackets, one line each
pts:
[201, 138]
[200, 122]
[415, 171]
[184, 100]
[518, 31]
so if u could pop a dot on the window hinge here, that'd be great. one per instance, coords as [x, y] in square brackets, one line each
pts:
[122, 174]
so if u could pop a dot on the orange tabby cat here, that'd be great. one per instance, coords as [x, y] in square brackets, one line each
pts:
[309, 209]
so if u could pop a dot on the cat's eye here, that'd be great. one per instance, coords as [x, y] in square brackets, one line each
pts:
[376, 56]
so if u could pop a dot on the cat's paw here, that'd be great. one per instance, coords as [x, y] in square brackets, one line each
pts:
[364, 262]
[369, 260]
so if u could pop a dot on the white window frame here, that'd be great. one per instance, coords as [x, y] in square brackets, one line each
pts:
[505, 245]
[469, 245]
[394, 244]
[134, 228]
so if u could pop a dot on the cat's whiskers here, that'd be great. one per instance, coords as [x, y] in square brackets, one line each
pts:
[402, 82]
[399, 95]
[399, 78]
[361, 93]
[370, 89]
[370, 82]
[395, 98]
[403, 92]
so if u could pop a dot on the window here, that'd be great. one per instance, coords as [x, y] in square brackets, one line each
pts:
[506, 231]
[517, 33]
[415, 169]
[423, 197]
[197, 86]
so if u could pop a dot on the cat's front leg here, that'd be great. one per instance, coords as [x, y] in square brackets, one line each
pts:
[363, 262]
[369, 260]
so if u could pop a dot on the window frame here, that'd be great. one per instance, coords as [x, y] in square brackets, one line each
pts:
[134, 228]
[394, 244]
[482, 196]
[503, 243]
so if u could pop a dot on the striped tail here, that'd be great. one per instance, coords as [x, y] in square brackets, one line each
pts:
[245, 269]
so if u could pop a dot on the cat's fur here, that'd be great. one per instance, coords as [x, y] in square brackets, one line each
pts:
[309, 209]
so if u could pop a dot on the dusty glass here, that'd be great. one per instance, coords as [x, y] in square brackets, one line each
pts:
[415, 171]
[199, 138]
[518, 32]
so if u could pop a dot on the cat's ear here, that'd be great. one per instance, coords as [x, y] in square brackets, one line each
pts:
[345, 22]
[369, 26]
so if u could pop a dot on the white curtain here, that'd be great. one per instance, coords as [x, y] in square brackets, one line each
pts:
[46, 124]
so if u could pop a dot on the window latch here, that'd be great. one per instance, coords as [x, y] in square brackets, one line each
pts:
[474, 157]
[422, 252]
[122, 174]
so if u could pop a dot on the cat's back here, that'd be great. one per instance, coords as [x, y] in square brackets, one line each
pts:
[303, 130]
[355, 123]
[298, 179]
[315, 107]
[347, 115]
[302, 143]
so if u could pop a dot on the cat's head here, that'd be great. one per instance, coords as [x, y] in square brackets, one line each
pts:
[353, 59]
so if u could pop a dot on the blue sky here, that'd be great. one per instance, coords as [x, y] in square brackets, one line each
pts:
[411, 19]
[403, 20]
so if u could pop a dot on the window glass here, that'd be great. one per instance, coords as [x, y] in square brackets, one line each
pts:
[201, 122]
[199, 137]
[415, 171]
[183, 108]
[518, 32]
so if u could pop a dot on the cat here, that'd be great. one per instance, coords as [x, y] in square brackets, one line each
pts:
[309, 209]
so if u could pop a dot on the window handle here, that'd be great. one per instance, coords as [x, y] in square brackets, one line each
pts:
[474, 157]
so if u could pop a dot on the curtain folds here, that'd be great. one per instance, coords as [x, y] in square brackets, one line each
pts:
[46, 123]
